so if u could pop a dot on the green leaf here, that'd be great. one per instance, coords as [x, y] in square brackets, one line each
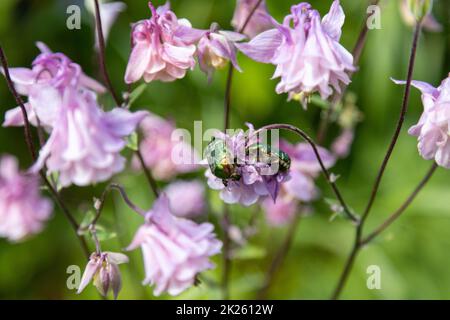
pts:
[86, 222]
[318, 102]
[103, 234]
[249, 252]
[132, 141]
[136, 93]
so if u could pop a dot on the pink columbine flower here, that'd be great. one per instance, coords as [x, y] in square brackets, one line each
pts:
[85, 143]
[216, 48]
[256, 179]
[306, 51]
[186, 198]
[163, 47]
[175, 250]
[103, 268]
[259, 22]
[163, 153]
[433, 127]
[22, 210]
[44, 84]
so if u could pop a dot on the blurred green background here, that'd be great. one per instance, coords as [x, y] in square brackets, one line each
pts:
[413, 254]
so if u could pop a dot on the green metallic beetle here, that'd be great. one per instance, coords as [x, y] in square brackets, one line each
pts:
[263, 153]
[221, 161]
[224, 166]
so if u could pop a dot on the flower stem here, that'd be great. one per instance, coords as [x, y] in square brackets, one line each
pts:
[325, 172]
[226, 253]
[360, 241]
[226, 213]
[402, 208]
[229, 83]
[359, 228]
[278, 259]
[101, 54]
[108, 189]
[29, 141]
[400, 122]
[148, 174]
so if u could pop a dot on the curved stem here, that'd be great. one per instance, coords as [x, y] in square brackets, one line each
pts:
[359, 230]
[108, 189]
[347, 269]
[278, 259]
[148, 174]
[19, 101]
[402, 208]
[325, 172]
[29, 141]
[400, 122]
[101, 54]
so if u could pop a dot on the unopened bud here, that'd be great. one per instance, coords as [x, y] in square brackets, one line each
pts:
[420, 8]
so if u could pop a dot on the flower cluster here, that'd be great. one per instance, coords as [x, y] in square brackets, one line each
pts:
[84, 141]
[306, 51]
[251, 178]
[175, 250]
[22, 210]
[164, 47]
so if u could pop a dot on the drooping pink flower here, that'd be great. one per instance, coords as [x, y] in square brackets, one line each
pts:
[186, 198]
[175, 250]
[22, 210]
[433, 127]
[256, 179]
[259, 22]
[162, 153]
[216, 48]
[163, 47]
[306, 52]
[44, 84]
[85, 143]
[103, 268]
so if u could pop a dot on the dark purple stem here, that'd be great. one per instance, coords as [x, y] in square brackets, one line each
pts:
[101, 54]
[359, 229]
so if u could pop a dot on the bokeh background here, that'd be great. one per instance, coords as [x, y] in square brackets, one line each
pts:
[413, 254]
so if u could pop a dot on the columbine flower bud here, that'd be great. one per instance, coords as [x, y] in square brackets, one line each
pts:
[102, 267]
[216, 48]
[429, 22]
[420, 8]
